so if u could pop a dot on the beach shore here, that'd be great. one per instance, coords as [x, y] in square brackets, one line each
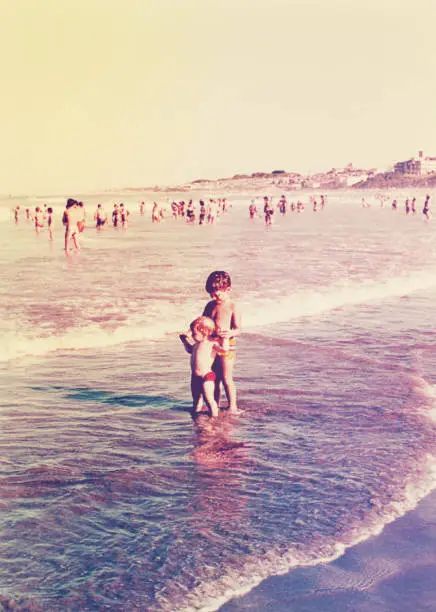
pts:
[393, 571]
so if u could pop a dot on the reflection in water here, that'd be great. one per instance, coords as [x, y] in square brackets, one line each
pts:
[220, 464]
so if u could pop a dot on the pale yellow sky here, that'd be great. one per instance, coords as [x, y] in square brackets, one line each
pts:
[114, 93]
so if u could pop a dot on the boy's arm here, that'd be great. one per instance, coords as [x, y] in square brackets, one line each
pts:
[236, 322]
[187, 342]
[208, 309]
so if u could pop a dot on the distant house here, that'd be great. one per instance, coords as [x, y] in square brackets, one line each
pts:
[348, 176]
[353, 179]
[422, 165]
[428, 165]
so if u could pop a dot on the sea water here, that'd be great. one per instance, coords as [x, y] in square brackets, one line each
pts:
[111, 497]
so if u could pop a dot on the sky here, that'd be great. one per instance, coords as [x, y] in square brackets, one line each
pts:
[101, 94]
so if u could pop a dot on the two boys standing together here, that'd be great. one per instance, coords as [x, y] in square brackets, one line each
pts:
[211, 344]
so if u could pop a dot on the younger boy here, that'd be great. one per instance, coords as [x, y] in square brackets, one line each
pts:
[203, 350]
[224, 312]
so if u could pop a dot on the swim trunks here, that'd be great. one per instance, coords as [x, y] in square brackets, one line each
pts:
[197, 382]
[231, 353]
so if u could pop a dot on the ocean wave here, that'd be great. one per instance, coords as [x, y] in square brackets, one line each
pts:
[90, 337]
[342, 294]
[210, 597]
[175, 317]
[428, 391]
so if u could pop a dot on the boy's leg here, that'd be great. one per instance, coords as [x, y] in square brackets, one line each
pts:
[209, 396]
[197, 393]
[217, 368]
[229, 385]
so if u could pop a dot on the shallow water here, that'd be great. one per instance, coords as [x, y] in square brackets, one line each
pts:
[112, 498]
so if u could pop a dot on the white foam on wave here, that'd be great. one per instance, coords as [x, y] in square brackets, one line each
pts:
[210, 597]
[93, 336]
[260, 312]
[428, 391]
[306, 303]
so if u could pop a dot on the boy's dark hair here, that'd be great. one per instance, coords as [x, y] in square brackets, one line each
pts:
[218, 280]
[49, 209]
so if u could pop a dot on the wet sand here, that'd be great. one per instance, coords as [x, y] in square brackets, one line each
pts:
[392, 572]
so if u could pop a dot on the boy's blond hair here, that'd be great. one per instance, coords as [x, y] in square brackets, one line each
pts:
[204, 325]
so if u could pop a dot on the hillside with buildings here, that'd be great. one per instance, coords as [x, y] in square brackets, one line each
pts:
[387, 180]
[419, 172]
[287, 181]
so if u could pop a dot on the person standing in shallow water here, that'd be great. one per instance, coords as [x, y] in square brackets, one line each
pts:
[50, 222]
[413, 206]
[226, 315]
[282, 205]
[268, 211]
[155, 216]
[39, 219]
[16, 212]
[426, 209]
[100, 217]
[227, 320]
[115, 215]
[73, 218]
[252, 210]
[124, 215]
[202, 346]
[202, 214]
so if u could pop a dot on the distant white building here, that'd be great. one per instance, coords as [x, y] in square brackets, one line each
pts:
[422, 165]
[428, 164]
[352, 180]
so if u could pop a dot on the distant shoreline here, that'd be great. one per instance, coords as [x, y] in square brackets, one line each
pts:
[286, 183]
[264, 183]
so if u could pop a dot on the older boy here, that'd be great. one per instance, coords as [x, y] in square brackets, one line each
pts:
[224, 312]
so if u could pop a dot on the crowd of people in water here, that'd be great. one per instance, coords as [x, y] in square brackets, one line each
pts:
[206, 211]
[75, 217]
[410, 205]
[283, 207]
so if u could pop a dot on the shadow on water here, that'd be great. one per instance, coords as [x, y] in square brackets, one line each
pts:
[134, 400]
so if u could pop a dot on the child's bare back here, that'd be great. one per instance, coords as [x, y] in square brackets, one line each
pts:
[203, 349]
[202, 356]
